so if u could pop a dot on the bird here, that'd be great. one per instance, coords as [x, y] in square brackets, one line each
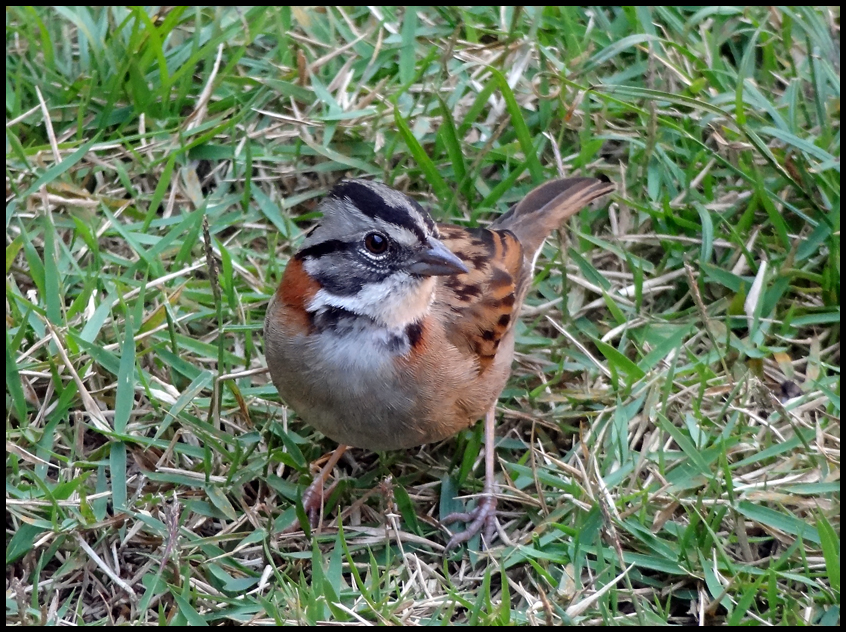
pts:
[389, 331]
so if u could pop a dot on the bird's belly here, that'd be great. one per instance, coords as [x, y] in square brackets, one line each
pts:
[349, 389]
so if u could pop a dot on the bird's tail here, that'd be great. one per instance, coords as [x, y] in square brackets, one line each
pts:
[547, 207]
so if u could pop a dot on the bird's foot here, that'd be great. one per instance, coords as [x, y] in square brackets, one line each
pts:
[313, 498]
[482, 517]
[314, 494]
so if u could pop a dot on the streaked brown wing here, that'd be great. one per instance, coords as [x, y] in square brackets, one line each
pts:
[480, 306]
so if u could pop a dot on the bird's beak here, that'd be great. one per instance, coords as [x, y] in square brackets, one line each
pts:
[437, 260]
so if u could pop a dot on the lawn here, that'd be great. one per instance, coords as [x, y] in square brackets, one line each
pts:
[668, 447]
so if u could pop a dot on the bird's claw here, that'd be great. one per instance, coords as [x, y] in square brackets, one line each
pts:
[483, 516]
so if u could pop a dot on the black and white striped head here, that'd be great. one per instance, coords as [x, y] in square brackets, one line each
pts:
[375, 253]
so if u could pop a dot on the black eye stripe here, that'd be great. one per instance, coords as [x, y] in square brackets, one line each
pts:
[323, 248]
[332, 245]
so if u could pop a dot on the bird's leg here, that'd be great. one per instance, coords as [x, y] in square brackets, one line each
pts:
[313, 495]
[484, 515]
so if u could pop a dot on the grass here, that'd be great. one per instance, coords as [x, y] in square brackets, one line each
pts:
[669, 443]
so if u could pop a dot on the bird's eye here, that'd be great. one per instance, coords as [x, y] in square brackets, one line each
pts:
[376, 243]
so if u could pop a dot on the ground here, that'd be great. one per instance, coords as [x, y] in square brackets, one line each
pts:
[669, 443]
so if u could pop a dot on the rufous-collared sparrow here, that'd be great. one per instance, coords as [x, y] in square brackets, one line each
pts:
[389, 331]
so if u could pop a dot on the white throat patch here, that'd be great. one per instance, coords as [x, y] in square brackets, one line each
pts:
[395, 302]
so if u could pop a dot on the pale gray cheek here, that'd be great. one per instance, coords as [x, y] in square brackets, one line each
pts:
[340, 284]
[342, 276]
[345, 274]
